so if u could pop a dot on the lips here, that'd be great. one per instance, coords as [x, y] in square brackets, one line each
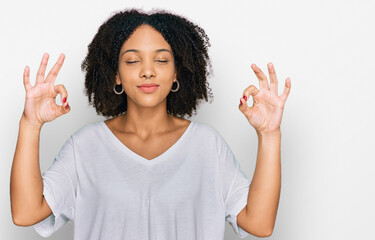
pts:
[151, 87]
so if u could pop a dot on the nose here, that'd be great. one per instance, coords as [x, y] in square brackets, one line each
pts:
[147, 70]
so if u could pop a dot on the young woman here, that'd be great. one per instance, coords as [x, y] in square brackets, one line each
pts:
[146, 173]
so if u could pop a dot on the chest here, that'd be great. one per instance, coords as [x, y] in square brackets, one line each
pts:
[121, 182]
[151, 147]
[180, 193]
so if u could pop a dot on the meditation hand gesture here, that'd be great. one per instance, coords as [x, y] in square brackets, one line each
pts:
[40, 103]
[267, 110]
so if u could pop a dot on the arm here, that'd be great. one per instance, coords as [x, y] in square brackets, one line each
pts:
[259, 215]
[26, 185]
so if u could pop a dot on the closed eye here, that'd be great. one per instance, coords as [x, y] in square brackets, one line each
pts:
[130, 62]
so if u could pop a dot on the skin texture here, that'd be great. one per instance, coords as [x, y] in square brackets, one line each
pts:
[146, 58]
[26, 185]
[190, 46]
[147, 128]
[259, 215]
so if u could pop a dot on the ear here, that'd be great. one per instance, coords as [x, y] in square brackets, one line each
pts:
[118, 81]
[175, 77]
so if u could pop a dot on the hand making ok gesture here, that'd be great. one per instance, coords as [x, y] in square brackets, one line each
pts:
[267, 110]
[40, 102]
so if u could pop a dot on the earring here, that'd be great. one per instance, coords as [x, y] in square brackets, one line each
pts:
[178, 87]
[118, 93]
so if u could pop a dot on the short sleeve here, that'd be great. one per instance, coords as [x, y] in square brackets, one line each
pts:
[235, 186]
[59, 190]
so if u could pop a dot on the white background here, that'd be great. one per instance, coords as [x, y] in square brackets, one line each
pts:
[326, 48]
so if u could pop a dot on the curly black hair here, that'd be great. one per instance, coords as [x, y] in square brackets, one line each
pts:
[189, 44]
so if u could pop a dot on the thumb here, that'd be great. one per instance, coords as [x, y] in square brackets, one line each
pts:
[249, 91]
[64, 108]
[247, 111]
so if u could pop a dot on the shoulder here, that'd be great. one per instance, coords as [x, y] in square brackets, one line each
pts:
[89, 131]
[212, 134]
[204, 130]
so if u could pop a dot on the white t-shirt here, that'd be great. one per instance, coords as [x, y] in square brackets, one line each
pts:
[110, 192]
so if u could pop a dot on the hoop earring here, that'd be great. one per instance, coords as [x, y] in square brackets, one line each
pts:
[178, 87]
[118, 93]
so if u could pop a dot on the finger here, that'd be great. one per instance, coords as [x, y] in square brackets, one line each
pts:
[273, 78]
[263, 82]
[26, 78]
[60, 89]
[243, 105]
[42, 68]
[63, 109]
[251, 90]
[56, 68]
[286, 91]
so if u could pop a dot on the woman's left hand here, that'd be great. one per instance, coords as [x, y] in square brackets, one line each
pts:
[267, 110]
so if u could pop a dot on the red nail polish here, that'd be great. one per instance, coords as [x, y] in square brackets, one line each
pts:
[64, 100]
[240, 102]
[67, 106]
[245, 98]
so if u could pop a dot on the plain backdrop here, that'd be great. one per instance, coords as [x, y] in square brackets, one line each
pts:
[325, 47]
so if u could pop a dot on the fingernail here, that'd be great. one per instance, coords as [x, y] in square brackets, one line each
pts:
[67, 106]
[64, 100]
[240, 102]
[244, 97]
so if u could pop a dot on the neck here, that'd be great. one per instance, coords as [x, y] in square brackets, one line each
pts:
[145, 121]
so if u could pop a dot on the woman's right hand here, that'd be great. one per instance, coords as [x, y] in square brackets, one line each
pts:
[40, 103]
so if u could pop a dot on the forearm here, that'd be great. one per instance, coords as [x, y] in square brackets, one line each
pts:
[26, 184]
[264, 192]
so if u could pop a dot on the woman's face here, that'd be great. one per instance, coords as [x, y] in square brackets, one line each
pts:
[146, 68]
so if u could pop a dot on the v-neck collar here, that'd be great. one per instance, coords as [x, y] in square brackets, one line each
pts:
[162, 157]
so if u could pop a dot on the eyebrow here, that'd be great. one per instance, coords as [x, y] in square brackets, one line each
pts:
[137, 51]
